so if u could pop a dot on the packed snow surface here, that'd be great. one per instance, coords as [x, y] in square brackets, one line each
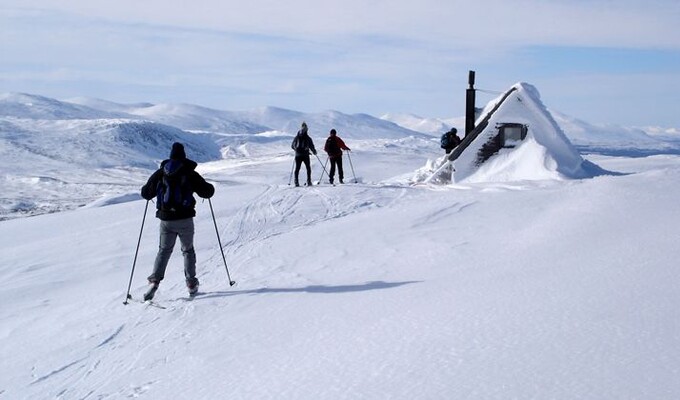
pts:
[375, 289]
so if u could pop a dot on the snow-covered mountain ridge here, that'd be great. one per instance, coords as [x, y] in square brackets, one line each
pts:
[45, 140]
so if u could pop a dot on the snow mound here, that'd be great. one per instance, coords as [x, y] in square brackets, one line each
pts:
[113, 199]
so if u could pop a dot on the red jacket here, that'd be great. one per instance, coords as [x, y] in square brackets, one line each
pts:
[334, 146]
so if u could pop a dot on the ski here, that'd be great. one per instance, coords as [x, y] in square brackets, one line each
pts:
[147, 302]
[191, 296]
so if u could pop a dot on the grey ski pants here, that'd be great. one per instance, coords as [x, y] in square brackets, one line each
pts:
[169, 231]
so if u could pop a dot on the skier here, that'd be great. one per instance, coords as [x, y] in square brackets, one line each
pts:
[334, 147]
[303, 144]
[173, 185]
[450, 140]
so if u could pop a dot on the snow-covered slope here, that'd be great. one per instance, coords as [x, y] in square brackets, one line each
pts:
[432, 126]
[369, 290]
[98, 142]
[613, 139]
[264, 119]
[101, 104]
[356, 126]
[51, 165]
[192, 117]
[23, 105]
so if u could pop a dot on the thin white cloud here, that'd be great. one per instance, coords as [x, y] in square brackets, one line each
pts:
[566, 22]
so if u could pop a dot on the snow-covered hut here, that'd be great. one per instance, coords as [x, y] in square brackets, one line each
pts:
[514, 138]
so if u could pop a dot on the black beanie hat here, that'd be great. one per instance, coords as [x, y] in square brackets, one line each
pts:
[333, 132]
[177, 152]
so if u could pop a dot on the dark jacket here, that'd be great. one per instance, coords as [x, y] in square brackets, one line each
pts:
[452, 140]
[302, 144]
[197, 183]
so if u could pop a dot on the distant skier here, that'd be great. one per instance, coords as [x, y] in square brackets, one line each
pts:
[303, 144]
[334, 147]
[173, 185]
[450, 140]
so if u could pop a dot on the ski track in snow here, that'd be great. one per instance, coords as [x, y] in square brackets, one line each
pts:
[277, 211]
[89, 376]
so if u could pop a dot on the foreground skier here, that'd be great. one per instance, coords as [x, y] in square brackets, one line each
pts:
[173, 185]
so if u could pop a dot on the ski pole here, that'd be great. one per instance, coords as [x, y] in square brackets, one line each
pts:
[350, 164]
[231, 283]
[322, 172]
[322, 166]
[134, 262]
[291, 172]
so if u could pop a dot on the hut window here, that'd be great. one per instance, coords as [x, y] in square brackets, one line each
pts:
[512, 134]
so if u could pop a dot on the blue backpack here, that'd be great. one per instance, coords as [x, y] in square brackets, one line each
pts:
[174, 192]
[445, 141]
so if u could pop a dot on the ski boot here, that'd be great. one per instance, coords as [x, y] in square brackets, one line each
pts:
[153, 286]
[193, 287]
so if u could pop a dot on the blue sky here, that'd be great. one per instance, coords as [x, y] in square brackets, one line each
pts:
[599, 60]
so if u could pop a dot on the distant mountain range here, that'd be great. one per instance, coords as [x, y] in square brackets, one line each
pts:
[109, 134]
[197, 118]
[100, 133]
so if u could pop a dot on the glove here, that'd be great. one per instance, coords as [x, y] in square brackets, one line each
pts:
[314, 151]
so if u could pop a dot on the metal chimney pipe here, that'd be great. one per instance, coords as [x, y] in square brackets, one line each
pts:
[470, 104]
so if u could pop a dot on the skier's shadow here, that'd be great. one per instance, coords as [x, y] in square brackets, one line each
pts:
[325, 289]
